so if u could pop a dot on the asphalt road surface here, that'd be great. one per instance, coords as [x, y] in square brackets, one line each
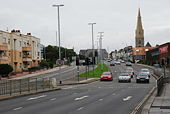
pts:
[106, 97]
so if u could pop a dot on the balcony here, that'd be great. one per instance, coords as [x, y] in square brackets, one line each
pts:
[27, 49]
[27, 58]
[3, 60]
[3, 47]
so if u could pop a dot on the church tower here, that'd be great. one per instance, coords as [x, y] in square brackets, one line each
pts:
[139, 38]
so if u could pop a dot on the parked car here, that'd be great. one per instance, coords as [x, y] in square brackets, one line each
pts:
[146, 71]
[130, 72]
[112, 63]
[124, 77]
[106, 76]
[128, 64]
[142, 77]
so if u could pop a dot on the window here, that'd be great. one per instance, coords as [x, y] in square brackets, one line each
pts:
[28, 42]
[20, 65]
[9, 41]
[25, 44]
[20, 54]
[4, 40]
[20, 43]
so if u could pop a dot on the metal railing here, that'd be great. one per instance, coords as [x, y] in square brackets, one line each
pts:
[27, 85]
[160, 84]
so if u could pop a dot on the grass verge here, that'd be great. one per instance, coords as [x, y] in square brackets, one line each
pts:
[97, 72]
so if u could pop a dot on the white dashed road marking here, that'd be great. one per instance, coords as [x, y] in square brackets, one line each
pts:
[33, 98]
[18, 108]
[100, 99]
[53, 99]
[80, 108]
[76, 99]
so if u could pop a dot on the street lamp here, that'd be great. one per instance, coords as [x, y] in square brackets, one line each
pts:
[58, 8]
[100, 45]
[92, 46]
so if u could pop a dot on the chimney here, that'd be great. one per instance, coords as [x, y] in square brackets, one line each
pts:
[16, 31]
[29, 34]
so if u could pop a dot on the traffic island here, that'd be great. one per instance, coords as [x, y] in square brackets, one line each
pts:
[78, 80]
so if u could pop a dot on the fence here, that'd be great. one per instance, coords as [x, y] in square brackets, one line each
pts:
[10, 87]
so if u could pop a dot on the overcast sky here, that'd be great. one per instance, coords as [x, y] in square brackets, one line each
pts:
[116, 18]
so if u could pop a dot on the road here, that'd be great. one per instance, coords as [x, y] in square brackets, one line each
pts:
[106, 97]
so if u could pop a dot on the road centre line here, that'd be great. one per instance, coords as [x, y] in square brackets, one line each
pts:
[33, 98]
[18, 108]
[80, 98]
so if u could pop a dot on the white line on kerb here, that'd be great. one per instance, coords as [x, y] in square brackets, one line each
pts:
[76, 99]
[127, 98]
[33, 98]
[18, 108]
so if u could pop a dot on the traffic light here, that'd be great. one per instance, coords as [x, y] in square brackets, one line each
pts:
[87, 61]
[77, 61]
[94, 60]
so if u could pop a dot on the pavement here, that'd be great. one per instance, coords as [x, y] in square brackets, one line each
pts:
[161, 104]
[158, 104]
[39, 73]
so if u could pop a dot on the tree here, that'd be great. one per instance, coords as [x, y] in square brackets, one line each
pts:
[52, 53]
[5, 69]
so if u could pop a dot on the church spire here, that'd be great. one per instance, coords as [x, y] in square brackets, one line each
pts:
[139, 31]
[139, 22]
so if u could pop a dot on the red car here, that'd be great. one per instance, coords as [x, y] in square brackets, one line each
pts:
[106, 76]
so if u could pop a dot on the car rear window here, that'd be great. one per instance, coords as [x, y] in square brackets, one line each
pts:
[106, 73]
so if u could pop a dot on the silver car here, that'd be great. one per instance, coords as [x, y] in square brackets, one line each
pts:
[142, 77]
[124, 77]
[146, 71]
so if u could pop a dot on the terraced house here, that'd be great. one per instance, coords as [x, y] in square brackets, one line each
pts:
[19, 50]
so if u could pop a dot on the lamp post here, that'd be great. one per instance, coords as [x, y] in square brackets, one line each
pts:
[100, 45]
[93, 57]
[58, 9]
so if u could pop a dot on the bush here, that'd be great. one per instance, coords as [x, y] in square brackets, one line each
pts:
[46, 64]
[5, 69]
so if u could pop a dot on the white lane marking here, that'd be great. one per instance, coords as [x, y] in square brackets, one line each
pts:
[80, 108]
[33, 98]
[99, 87]
[18, 108]
[80, 98]
[75, 93]
[127, 98]
[114, 94]
[100, 99]
[53, 99]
